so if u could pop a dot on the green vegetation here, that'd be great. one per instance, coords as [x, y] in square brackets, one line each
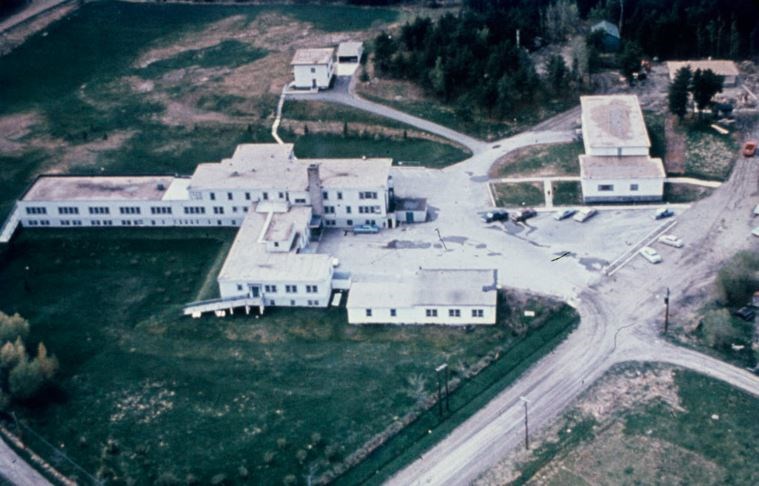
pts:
[405, 151]
[323, 111]
[228, 53]
[703, 431]
[567, 193]
[685, 193]
[541, 160]
[655, 128]
[709, 155]
[274, 395]
[518, 194]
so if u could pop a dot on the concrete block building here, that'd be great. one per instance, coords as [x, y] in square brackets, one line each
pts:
[313, 68]
[727, 69]
[616, 166]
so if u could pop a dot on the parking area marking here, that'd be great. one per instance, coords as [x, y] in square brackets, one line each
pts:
[625, 258]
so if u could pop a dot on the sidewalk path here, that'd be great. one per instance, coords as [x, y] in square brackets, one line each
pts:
[34, 8]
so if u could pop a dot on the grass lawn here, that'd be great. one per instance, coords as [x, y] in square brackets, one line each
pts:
[685, 193]
[273, 396]
[567, 193]
[303, 110]
[540, 160]
[510, 194]
[709, 155]
[697, 431]
[410, 151]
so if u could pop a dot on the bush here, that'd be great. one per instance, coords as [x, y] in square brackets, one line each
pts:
[26, 379]
[718, 330]
[12, 327]
[739, 278]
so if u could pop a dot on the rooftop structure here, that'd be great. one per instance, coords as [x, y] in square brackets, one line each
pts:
[313, 56]
[607, 27]
[613, 121]
[629, 167]
[76, 188]
[352, 173]
[725, 68]
[350, 49]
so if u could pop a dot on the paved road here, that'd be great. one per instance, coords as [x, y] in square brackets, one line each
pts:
[14, 470]
[30, 11]
[343, 93]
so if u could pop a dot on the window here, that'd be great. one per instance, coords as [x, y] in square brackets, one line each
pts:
[633, 187]
[430, 312]
[272, 289]
[218, 210]
[329, 209]
[245, 210]
[129, 210]
[32, 222]
[194, 210]
[107, 222]
[44, 222]
[239, 287]
[329, 222]
[454, 312]
[367, 209]
[31, 210]
[160, 210]
[291, 289]
[477, 313]
[99, 210]
[313, 70]
[311, 289]
[265, 196]
[367, 195]
[368, 313]
[276, 244]
[292, 303]
[76, 222]
[229, 196]
[606, 187]
[340, 195]
[95, 222]
[65, 222]
[281, 195]
[300, 200]
[393, 313]
[213, 196]
[234, 209]
[68, 210]
[247, 196]
[348, 210]
[349, 222]
[325, 195]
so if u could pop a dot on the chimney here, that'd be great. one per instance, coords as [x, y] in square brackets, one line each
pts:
[315, 190]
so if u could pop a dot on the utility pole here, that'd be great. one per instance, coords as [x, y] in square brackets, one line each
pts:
[442, 368]
[526, 424]
[666, 311]
[441, 239]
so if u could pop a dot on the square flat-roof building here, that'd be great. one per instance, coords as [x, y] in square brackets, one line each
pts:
[727, 69]
[313, 68]
[430, 296]
[616, 165]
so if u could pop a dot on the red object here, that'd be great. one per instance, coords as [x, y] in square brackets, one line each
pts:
[749, 148]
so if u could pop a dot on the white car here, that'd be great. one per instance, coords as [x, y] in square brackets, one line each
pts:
[755, 231]
[650, 254]
[756, 210]
[564, 214]
[671, 240]
[584, 214]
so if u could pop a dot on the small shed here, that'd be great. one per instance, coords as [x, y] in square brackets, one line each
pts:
[410, 210]
[611, 39]
[350, 52]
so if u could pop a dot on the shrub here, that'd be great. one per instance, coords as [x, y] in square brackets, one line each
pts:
[718, 329]
[290, 479]
[738, 278]
[301, 455]
[26, 379]
[12, 327]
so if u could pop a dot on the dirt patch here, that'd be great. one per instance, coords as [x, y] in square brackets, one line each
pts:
[298, 127]
[65, 155]
[179, 114]
[13, 128]
[674, 162]
[16, 36]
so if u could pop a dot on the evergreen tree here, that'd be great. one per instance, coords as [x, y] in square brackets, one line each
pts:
[556, 74]
[705, 85]
[677, 98]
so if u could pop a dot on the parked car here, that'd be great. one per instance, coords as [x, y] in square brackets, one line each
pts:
[746, 313]
[650, 254]
[496, 215]
[662, 213]
[756, 210]
[671, 240]
[366, 229]
[564, 214]
[584, 214]
[749, 148]
[523, 215]
[755, 231]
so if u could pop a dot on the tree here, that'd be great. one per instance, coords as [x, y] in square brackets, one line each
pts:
[560, 19]
[705, 85]
[48, 364]
[12, 327]
[25, 380]
[384, 49]
[718, 329]
[629, 59]
[677, 98]
[437, 78]
[556, 74]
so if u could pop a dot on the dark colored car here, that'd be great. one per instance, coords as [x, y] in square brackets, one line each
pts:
[497, 215]
[523, 215]
[663, 213]
[745, 313]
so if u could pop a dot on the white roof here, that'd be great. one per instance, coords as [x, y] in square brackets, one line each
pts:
[721, 67]
[177, 191]
[426, 287]
[630, 167]
[350, 49]
[352, 173]
[613, 121]
[283, 225]
[98, 188]
[249, 261]
[313, 56]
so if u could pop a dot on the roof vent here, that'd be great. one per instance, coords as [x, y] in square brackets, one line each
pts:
[161, 186]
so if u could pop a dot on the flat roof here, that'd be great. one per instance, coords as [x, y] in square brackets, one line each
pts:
[426, 287]
[313, 56]
[410, 203]
[283, 225]
[631, 167]
[718, 66]
[613, 121]
[177, 191]
[350, 49]
[98, 188]
[352, 173]
[248, 259]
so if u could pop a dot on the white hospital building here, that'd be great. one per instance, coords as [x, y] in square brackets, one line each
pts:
[616, 166]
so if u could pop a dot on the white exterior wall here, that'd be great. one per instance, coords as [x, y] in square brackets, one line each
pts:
[308, 76]
[347, 213]
[648, 189]
[615, 151]
[281, 298]
[418, 315]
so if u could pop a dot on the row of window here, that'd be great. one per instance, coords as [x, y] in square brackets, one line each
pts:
[367, 195]
[349, 222]
[433, 312]
[610, 187]
[69, 210]
[123, 222]
[290, 289]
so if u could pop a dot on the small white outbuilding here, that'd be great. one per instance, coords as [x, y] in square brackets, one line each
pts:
[313, 68]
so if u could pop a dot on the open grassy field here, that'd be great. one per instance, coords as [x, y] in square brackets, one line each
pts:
[144, 88]
[540, 160]
[646, 424]
[294, 391]
[517, 194]
[709, 155]
[567, 193]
